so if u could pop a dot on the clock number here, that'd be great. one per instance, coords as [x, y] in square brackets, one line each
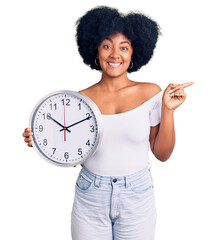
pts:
[53, 106]
[80, 151]
[79, 106]
[54, 150]
[48, 116]
[66, 155]
[45, 142]
[67, 102]
[88, 143]
[88, 115]
[40, 128]
[92, 129]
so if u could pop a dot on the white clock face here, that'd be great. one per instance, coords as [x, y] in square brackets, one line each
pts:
[65, 128]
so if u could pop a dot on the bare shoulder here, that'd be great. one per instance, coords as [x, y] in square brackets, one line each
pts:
[149, 89]
[84, 91]
[89, 91]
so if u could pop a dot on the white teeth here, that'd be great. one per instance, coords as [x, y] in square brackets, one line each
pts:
[114, 64]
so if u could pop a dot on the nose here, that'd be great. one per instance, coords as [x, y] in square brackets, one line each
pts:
[115, 54]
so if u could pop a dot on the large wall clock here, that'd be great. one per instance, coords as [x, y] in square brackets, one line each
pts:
[67, 127]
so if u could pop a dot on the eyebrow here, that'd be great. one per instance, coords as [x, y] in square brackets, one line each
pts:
[108, 38]
[125, 42]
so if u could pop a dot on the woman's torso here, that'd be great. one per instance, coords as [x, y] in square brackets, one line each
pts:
[123, 100]
[126, 128]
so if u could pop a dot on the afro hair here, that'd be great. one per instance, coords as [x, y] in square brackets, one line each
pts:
[102, 22]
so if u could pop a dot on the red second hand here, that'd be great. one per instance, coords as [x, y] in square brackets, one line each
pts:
[64, 121]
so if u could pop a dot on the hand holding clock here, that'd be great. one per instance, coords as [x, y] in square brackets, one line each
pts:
[49, 124]
[27, 134]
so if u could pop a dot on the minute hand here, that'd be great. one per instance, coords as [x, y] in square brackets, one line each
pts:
[87, 118]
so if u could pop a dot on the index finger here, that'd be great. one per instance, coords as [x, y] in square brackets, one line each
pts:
[187, 84]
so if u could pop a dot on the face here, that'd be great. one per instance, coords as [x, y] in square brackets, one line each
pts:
[114, 55]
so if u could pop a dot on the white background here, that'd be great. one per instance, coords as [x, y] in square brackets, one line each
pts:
[38, 55]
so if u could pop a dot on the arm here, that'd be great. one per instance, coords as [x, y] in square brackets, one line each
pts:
[162, 136]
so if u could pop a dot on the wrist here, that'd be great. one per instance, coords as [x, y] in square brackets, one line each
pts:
[167, 110]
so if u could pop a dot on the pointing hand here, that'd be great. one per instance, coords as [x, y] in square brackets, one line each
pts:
[174, 95]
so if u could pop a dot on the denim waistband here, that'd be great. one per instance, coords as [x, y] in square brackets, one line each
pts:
[127, 179]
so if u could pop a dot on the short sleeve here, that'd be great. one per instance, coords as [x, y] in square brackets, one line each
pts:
[155, 112]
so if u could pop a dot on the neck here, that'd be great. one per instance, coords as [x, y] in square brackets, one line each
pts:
[113, 84]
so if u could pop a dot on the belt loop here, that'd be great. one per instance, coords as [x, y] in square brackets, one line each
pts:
[149, 166]
[97, 181]
[126, 181]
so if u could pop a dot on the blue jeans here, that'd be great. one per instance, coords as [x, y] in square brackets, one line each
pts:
[113, 208]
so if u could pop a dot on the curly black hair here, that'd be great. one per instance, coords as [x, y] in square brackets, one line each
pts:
[102, 22]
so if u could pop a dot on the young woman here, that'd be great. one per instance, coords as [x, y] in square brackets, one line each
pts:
[114, 197]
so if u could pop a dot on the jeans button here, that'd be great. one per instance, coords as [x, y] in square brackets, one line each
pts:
[114, 180]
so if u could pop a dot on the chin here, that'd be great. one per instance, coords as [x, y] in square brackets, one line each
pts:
[115, 74]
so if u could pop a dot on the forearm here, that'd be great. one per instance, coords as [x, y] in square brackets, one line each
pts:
[165, 139]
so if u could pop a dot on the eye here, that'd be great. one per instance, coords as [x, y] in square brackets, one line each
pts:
[124, 48]
[106, 46]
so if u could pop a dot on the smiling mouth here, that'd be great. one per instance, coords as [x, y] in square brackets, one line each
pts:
[114, 65]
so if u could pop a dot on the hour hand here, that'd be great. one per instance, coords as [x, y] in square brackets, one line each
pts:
[59, 124]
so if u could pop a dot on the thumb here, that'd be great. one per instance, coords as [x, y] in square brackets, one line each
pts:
[171, 86]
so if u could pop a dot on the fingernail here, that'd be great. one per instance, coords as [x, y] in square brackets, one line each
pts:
[170, 91]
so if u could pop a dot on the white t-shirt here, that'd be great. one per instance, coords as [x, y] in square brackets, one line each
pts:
[125, 143]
